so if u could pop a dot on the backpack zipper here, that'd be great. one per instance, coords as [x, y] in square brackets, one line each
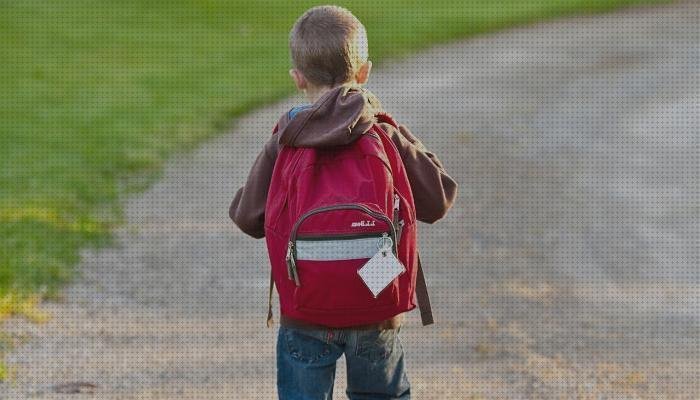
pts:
[341, 237]
[291, 253]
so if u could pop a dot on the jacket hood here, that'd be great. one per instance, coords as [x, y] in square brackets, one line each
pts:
[339, 117]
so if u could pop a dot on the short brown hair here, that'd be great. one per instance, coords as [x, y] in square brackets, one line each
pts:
[328, 45]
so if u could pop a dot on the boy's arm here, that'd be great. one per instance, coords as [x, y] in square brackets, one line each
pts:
[434, 191]
[248, 207]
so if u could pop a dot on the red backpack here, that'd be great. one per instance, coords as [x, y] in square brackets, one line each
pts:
[328, 212]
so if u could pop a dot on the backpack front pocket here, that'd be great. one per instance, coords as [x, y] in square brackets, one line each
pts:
[324, 262]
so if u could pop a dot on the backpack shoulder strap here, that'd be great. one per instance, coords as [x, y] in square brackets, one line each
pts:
[386, 118]
[270, 322]
[426, 311]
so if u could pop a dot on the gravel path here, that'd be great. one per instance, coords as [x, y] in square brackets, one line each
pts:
[568, 268]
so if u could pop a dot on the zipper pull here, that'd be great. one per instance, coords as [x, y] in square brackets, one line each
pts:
[292, 265]
[397, 202]
[398, 231]
[398, 225]
[290, 260]
[385, 243]
[295, 275]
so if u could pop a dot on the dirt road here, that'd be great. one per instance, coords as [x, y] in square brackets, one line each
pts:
[567, 269]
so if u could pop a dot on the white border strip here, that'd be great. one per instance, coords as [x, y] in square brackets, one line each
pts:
[337, 249]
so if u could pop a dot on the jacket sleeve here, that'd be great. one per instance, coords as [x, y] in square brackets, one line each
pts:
[248, 207]
[434, 191]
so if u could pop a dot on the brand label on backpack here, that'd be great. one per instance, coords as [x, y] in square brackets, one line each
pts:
[363, 223]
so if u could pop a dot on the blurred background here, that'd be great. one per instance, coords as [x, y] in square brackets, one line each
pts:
[567, 268]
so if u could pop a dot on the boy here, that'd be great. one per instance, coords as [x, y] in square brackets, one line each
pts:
[329, 55]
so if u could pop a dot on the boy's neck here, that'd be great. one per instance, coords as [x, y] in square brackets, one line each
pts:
[315, 93]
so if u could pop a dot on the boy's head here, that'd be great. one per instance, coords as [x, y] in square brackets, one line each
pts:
[329, 48]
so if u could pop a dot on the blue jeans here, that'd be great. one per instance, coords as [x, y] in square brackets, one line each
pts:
[306, 360]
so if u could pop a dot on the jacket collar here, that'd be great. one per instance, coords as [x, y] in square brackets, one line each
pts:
[338, 118]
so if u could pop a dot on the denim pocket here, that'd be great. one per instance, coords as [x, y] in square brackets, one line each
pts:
[302, 347]
[375, 345]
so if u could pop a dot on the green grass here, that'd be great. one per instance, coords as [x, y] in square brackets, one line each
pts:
[95, 92]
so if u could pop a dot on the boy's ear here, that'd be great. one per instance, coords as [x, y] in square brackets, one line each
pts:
[299, 79]
[362, 74]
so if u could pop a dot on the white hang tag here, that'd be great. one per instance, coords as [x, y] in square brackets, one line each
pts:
[381, 270]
